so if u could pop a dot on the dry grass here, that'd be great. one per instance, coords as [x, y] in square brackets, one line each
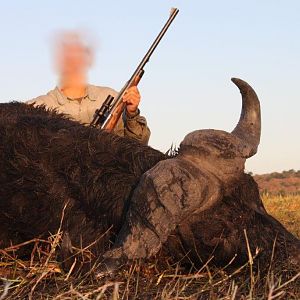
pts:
[286, 209]
[42, 278]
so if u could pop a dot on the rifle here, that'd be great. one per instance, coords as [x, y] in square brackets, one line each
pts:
[107, 116]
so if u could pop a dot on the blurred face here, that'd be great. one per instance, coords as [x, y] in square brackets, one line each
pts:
[73, 57]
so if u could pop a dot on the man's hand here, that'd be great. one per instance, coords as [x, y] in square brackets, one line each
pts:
[132, 98]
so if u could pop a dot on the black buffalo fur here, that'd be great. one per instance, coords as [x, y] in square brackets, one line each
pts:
[53, 169]
[48, 161]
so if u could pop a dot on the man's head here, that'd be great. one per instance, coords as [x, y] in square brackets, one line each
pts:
[73, 55]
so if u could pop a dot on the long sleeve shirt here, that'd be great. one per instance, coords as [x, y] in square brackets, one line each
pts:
[83, 111]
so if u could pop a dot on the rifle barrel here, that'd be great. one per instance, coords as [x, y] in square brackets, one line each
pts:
[146, 58]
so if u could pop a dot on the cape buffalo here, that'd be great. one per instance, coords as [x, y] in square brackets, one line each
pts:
[127, 200]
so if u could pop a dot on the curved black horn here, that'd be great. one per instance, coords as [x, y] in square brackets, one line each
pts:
[249, 126]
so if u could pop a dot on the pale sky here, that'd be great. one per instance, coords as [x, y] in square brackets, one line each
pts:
[187, 82]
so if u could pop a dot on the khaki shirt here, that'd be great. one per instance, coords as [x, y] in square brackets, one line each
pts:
[83, 111]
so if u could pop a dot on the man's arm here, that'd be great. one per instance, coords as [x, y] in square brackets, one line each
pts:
[47, 100]
[135, 124]
[136, 127]
[131, 124]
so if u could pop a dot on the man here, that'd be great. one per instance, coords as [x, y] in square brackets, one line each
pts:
[79, 100]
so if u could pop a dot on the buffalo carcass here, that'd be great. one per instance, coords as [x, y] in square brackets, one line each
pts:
[125, 200]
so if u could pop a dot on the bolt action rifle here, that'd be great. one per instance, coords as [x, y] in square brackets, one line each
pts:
[107, 116]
